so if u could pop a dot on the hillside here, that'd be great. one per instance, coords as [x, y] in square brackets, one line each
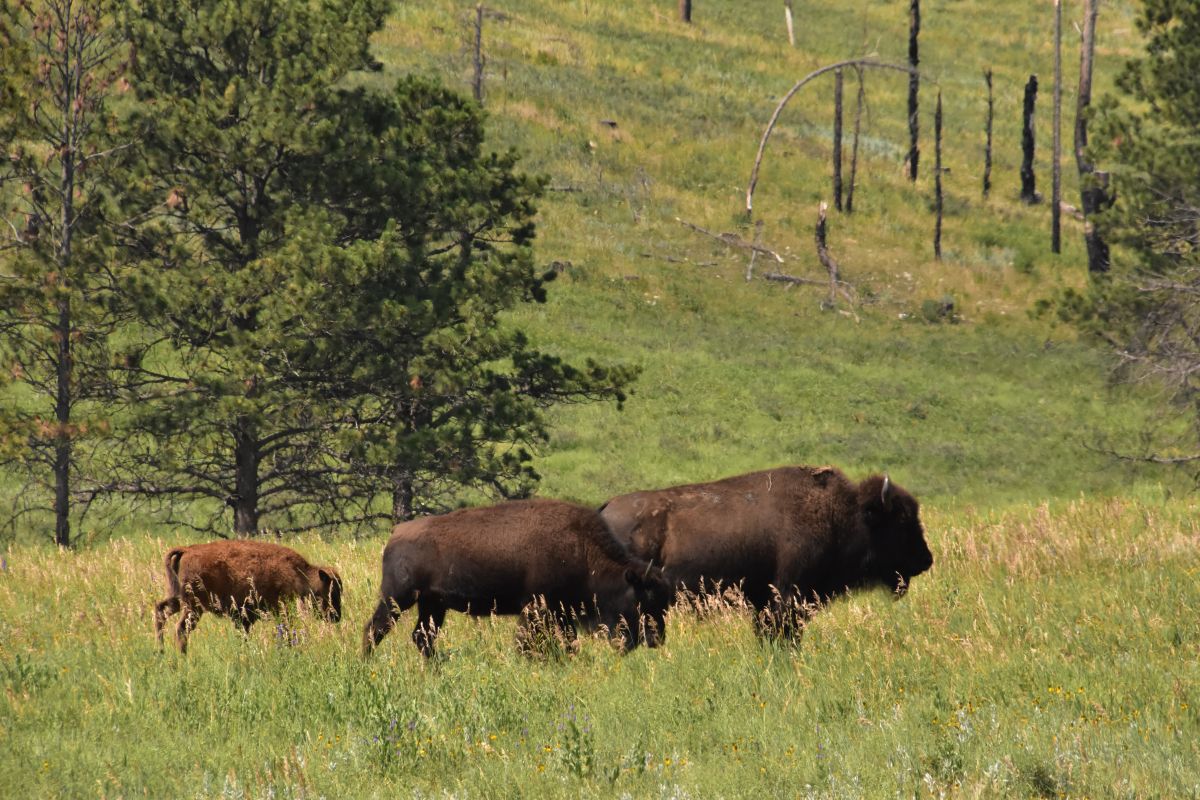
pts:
[640, 122]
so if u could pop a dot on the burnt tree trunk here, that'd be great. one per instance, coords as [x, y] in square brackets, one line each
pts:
[685, 10]
[937, 177]
[821, 238]
[987, 127]
[1056, 147]
[837, 140]
[914, 84]
[477, 79]
[1093, 184]
[858, 112]
[1028, 180]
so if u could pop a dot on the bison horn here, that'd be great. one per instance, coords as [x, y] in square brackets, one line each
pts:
[885, 495]
[649, 567]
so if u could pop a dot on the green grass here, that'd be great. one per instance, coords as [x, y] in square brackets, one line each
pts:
[1051, 652]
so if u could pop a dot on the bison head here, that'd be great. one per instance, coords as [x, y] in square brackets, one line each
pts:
[651, 595]
[329, 593]
[897, 539]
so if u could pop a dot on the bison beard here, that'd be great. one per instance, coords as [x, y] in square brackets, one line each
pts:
[792, 538]
[501, 559]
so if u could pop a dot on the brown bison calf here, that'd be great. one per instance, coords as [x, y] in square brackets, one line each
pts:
[241, 580]
[501, 559]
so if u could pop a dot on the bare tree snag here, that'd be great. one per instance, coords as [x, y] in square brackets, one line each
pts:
[477, 79]
[987, 148]
[937, 177]
[858, 112]
[837, 140]
[1029, 192]
[787, 15]
[1056, 147]
[685, 11]
[762, 144]
[836, 284]
[823, 254]
[914, 31]
[758, 228]
[1093, 184]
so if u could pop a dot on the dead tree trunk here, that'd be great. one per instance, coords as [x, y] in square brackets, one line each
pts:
[837, 140]
[914, 84]
[858, 112]
[1028, 180]
[987, 148]
[1056, 167]
[823, 255]
[685, 11]
[1093, 184]
[477, 80]
[791, 28]
[937, 177]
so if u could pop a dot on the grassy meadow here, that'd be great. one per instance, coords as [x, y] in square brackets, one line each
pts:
[1052, 651]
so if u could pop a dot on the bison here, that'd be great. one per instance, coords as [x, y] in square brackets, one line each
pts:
[503, 559]
[242, 580]
[792, 537]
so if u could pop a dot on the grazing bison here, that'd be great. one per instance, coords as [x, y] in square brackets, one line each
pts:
[242, 580]
[792, 537]
[501, 559]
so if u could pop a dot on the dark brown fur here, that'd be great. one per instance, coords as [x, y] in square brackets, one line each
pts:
[499, 559]
[242, 580]
[791, 537]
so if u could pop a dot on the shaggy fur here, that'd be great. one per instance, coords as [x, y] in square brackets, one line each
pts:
[791, 537]
[242, 580]
[500, 559]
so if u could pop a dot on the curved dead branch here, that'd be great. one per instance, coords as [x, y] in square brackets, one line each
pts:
[857, 63]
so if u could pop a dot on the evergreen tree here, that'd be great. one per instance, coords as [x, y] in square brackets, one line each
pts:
[1150, 310]
[59, 69]
[313, 257]
[435, 391]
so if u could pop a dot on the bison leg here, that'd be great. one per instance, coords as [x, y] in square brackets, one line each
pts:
[247, 616]
[430, 616]
[163, 610]
[186, 625]
[380, 624]
[783, 617]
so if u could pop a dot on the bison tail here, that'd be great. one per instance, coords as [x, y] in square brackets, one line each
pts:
[171, 562]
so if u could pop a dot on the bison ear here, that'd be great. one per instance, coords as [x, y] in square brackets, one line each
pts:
[886, 494]
[328, 577]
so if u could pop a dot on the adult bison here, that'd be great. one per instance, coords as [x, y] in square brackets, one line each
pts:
[501, 559]
[791, 537]
[241, 580]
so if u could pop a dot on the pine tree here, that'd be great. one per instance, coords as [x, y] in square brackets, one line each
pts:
[436, 392]
[1149, 308]
[314, 261]
[59, 70]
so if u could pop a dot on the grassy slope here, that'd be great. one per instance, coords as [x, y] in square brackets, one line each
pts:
[741, 376]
